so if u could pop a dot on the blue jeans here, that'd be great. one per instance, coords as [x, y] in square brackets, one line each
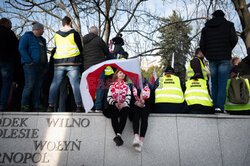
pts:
[63, 95]
[33, 76]
[219, 75]
[7, 70]
[100, 92]
[59, 73]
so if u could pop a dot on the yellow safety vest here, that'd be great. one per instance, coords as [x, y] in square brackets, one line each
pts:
[191, 71]
[197, 93]
[237, 107]
[108, 71]
[66, 47]
[169, 90]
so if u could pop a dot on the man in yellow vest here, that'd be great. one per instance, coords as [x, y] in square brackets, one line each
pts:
[197, 95]
[169, 96]
[196, 65]
[67, 60]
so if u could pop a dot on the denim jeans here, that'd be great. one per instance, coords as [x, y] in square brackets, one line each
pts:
[59, 73]
[7, 70]
[100, 92]
[219, 75]
[33, 76]
[60, 106]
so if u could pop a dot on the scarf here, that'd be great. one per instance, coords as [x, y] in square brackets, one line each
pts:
[145, 93]
[119, 91]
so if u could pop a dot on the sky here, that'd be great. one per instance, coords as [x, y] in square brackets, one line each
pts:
[165, 9]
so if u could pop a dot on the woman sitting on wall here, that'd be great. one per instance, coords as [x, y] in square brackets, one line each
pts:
[119, 96]
[141, 105]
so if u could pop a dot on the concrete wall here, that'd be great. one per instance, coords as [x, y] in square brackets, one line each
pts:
[185, 140]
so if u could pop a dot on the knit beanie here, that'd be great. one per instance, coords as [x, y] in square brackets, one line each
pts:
[37, 25]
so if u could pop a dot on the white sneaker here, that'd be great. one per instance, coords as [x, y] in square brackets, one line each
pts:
[98, 111]
[136, 142]
[138, 148]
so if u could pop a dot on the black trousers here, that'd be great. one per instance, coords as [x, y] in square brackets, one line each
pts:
[140, 113]
[200, 109]
[118, 124]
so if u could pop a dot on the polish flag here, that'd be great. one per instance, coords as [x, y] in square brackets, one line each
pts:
[89, 80]
[153, 78]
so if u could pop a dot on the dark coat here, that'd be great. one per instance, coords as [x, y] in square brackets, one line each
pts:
[8, 45]
[244, 67]
[218, 38]
[94, 50]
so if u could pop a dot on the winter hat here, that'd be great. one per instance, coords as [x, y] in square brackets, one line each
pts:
[169, 69]
[37, 25]
[218, 13]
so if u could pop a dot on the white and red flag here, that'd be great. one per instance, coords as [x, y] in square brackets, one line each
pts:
[89, 80]
[153, 78]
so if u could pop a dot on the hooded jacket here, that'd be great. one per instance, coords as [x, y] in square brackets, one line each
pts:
[94, 51]
[218, 38]
[76, 60]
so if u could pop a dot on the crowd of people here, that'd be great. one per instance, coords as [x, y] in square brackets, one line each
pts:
[53, 86]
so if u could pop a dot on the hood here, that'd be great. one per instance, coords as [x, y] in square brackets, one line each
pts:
[87, 38]
[215, 22]
[65, 31]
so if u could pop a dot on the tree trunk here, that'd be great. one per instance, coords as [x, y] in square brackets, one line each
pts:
[242, 9]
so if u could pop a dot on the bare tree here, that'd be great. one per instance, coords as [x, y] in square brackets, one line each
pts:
[242, 9]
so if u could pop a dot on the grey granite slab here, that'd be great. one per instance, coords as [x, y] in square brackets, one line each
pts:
[199, 142]
[161, 142]
[235, 141]
[16, 134]
[124, 155]
[92, 137]
[53, 138]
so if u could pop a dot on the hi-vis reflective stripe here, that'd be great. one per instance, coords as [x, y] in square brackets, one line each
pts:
[229, 103]
[167, 95]
[108, 69]
[198, 98]
[196, 90]
[66, 46]
[168, 88]
[67, 52]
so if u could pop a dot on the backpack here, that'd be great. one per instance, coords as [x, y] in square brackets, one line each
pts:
[238, 91]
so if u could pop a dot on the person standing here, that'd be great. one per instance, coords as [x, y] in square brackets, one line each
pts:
[218, 38]
[118, 42]
[8, 59]
[33, 50]
[95, 51]
[67, 60]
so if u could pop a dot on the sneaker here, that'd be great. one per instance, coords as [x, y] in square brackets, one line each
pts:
[138, 148]
[79, 109]
[118, 140]
[218, 110]
[98, 111]
[25, 108]
[50, 109]
[136, 141]
[38, 108]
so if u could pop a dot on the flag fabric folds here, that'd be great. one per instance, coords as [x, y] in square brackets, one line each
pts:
[89, 80]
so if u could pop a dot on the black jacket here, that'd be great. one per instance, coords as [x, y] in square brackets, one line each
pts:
[244, 67]
[94, 50]
[218, 38]
[8, 46]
